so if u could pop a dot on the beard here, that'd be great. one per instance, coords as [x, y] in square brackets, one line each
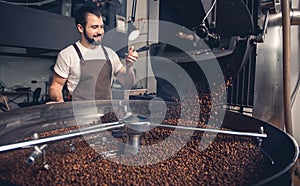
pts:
[90, 39]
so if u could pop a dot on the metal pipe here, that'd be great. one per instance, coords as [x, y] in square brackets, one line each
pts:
[96, 126]
[55, 138]
[250, 134]
[286, 37]
[295, 17]
[132, 144]
[276, 19]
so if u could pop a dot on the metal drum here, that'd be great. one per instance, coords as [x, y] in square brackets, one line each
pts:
[18, 126]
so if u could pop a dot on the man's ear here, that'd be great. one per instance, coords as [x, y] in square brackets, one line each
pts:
[80, 28]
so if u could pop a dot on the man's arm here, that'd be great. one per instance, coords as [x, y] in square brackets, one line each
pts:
[56, 87]
[126, 74]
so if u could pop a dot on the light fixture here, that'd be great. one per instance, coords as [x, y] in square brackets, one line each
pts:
[132, 31]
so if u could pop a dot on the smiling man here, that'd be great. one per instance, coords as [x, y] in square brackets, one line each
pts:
[87, 66]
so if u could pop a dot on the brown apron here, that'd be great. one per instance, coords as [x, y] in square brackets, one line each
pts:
[95, 78]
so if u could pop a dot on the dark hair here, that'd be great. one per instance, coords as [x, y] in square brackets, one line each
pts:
[81, 14]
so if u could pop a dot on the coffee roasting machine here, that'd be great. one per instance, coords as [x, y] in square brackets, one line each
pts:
[221, 59]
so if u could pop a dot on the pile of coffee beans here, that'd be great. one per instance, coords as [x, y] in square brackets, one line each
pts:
[178, 157]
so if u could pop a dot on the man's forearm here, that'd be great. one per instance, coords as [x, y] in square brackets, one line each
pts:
[129, 78]
[127, 73]
[56, 94]
[126, 77]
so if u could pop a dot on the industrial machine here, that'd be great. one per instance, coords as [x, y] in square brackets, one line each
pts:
[122, 142]
[212, 68]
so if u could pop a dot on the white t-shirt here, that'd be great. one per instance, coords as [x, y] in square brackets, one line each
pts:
[68, 62]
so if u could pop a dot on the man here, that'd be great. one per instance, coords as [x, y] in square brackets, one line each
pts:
[87, 66]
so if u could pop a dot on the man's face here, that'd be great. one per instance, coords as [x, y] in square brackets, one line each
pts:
[94, 29]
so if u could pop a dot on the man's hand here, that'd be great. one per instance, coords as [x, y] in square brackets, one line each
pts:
[52, 102]
[131, 57]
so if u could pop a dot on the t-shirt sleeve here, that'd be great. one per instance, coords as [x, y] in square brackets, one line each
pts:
[61, 67]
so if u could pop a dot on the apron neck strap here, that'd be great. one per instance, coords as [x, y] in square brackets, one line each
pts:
[80, 55]
[78, 52]
[105, 52]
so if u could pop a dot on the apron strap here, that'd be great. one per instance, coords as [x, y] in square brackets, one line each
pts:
[78, 53]
[105, 53]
